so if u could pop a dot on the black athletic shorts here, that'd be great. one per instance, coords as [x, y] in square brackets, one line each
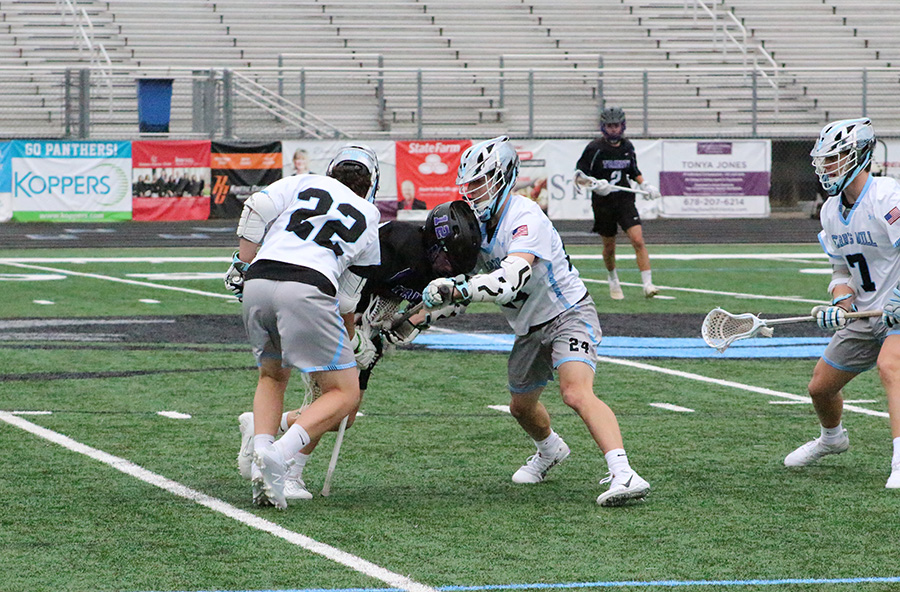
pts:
[612, 211]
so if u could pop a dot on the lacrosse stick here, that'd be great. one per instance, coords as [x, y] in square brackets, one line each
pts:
[721, 328]
[586, 181]
[326, 486]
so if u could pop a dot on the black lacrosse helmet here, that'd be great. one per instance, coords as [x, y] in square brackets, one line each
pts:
[452, 238]
[612, 115]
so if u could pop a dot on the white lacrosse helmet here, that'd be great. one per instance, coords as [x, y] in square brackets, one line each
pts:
[363, 156]
[852, 141]
[493, 165]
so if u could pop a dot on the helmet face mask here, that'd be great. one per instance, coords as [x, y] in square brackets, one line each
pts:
[844, 149]
[610, 120]
[487, 173]
[452, 238]
[362, 156]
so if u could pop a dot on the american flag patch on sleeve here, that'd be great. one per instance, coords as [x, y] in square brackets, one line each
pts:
[523, 229]
[893, 215]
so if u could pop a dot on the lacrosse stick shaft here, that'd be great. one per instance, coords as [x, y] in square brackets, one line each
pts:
[407, 315]
[326, 487]
[590, 179]
[850, 315]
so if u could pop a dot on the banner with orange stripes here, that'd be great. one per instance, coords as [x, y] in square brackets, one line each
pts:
[238, 170]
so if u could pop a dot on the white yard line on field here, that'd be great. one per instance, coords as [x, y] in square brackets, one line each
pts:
[671, 407]
[355, 563]
[716, 292]
[730, 384]
[713, 256]
[108, 278]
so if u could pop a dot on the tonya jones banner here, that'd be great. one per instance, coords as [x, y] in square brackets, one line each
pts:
[69, 181]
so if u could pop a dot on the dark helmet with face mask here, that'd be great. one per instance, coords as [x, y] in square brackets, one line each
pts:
[452, 238]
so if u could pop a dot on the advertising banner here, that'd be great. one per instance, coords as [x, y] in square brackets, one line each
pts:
[170, 180]
[6, 208]
[71, 181]
[313, 156]
[426, 173]
[716, 179]
[238, 171]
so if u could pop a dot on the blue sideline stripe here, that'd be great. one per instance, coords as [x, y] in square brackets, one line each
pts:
[645, 347]
[623, 584]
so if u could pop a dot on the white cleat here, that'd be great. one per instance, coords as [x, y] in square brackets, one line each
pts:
[295, 487]
[624, 487]
[813, 450]
[615, 292]
[256, 480]
[536, 467]
[273, 472]
[893, 481]
[245, 456]
[650, 291]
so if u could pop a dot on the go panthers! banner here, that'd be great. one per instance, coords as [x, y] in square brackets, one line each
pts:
[70, 181]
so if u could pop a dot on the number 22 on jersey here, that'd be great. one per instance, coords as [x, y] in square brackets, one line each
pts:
[301, 225]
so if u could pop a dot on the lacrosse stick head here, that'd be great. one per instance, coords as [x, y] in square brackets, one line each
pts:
[721, 328]
[584, 181]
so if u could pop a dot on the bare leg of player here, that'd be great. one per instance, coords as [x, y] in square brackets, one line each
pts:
[609, 259]
[636, 236]
[889, 370]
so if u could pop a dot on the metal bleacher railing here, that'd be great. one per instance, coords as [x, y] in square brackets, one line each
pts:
[367, 101]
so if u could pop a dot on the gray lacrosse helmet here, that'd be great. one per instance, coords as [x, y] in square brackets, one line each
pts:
[363, 156]
[496, 162]
[852, 142]
[612, 115]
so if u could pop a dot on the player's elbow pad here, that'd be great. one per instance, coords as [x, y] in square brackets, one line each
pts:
[350, 287]
[259, 211]
[840, 276]
[501, 285]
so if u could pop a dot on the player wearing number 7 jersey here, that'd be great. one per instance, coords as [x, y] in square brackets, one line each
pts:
[304, 235]
[524, 268]
[861, 235]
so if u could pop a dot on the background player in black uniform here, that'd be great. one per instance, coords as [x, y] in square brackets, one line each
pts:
[411, 256]
[611, 158]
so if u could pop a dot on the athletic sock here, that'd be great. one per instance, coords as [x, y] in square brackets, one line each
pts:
[292, 441]
[645, 278]
[299, 463]
[832, 434]
[284, 422]
[548, 445]
[613, 277]
[895, 461]
[617, 461]
[261, 441]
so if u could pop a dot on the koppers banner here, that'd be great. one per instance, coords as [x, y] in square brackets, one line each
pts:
[313, 156]
[238, 171]
[170, 180]
[426, 172]
[6, 207]
[71, 181]
[716, 179]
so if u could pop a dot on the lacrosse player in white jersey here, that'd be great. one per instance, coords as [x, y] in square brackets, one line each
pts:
[303, 235]
[524, 268]
[861, 235]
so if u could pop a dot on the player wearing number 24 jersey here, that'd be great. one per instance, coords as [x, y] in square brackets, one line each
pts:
[524, 269]
[861, 235]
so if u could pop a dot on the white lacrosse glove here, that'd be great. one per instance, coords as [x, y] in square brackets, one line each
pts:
[234, 277]
[890, 314]
[602, 187]
[402, 335]
[438, 292]
[444, 312]
[830, 318]
[652, 191]
[364, 350]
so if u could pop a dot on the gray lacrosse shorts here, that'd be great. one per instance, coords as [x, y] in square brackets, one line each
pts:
[297, 324]
[855, 348]
[572, 336]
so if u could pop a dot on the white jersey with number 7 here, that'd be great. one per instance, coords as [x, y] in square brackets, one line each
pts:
[867, 239]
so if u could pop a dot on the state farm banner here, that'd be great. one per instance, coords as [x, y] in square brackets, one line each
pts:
[426, 172]
[313, 156]
[170, 180]
[238, 171]
[71, 181]
[554, 161]
[6, 209]
[716, 179]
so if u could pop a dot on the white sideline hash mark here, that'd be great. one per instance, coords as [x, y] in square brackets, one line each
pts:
[729, 383]
[501, 408]
[670, 407]
[43, 302]
[148, 301]
[173, 414]
[129, 468]
[31, 412]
